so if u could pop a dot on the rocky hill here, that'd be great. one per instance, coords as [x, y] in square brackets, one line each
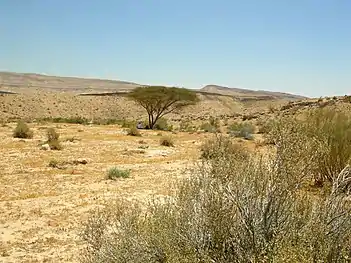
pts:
[39, 96]
[246, 94]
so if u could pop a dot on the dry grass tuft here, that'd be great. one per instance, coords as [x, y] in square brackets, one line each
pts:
[22, 131]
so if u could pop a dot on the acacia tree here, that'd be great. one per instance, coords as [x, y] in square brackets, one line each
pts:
[159, 100]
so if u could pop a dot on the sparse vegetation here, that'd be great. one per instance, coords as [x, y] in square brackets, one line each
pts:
[229, 210]
[133, 131]
[243, 130]
[162, 125]
[221, 146]
[159, 101]
[53, 139]
[128, 124]
[53, 163]
[22, 131]
[167, 141]
[241, 201]
[72, 120]
[185, 126]
[211, 126]
[115, 173]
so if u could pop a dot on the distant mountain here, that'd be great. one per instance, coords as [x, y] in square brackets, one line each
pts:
[246, 94]
[24, 81]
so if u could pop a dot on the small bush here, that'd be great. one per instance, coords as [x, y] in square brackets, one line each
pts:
[52, 135]
[211, 126]
[266, 126]
[167, 141]
[185, 126]
[115, 173]
[220, 146]
[128, 124]
[22, 131]
[53, 139]
[133, 131]
[242, 130]
[53, 163]
[249, 117]
[71, 139]
[162, 125]
[347, 99]
[207, 127]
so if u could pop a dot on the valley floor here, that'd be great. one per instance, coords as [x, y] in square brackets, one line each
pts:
[42, 207]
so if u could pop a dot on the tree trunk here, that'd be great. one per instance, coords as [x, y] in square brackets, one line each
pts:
[150, 122]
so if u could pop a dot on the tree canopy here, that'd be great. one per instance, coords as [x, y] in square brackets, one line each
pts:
[159, 100]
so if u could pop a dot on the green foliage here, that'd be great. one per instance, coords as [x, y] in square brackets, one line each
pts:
[207, 127]
[320, 140]
[186, 126]
[115, 173]
[162, 125]
[243, 130]
[53, 139]
[220, 147]
[211, 126]
[266, 127]
[22, 131]
[128, 123]
[73, 120]
[167, 141]
[107, 121]
[133, 131]
[159, 101]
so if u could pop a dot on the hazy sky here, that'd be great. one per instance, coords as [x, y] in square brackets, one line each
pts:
[297, 46]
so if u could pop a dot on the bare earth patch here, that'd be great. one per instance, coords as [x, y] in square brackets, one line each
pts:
[42, 207]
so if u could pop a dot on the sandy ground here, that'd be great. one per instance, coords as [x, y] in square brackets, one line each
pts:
[42, 207]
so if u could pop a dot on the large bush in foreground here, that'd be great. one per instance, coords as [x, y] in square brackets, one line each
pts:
[320, 139]
[228, 210]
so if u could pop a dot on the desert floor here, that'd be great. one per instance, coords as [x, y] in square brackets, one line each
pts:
[42, 207]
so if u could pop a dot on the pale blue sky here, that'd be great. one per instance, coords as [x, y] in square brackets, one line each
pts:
[297, 46]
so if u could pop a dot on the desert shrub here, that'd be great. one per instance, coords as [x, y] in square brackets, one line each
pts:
[109, 121]
[22, 131]
[207, 127]
[242, 130]
[162, 125]
[133, 131]
[128, 123]
[186, 126]
[167, 141]
[249, 117]
[214, 122]
[347, 99]
[115, 173]
[320, 138]
[53, 163]
[53, 139]
[211, 126]
[72, 139]
[266, 126]
[73, 120]
[226, 211]
[220, 147]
